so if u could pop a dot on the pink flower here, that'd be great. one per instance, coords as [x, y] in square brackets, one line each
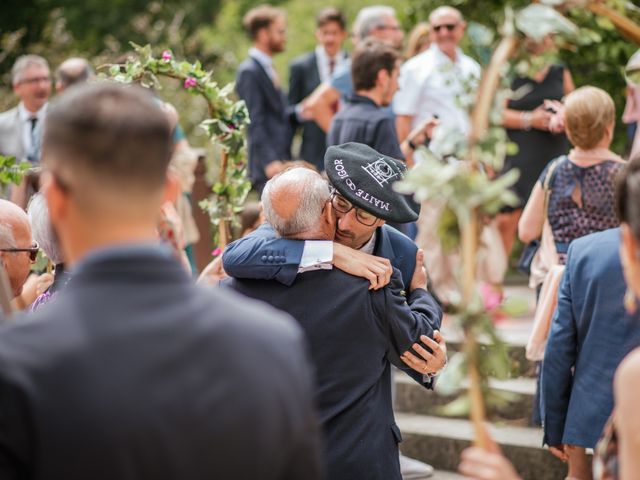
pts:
[216, 252]
[166, 56]
[190, 82]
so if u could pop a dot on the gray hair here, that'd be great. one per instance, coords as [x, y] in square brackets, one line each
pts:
[445, 10]
[7, 240]
[312, 192]
[370, 18]
[42, 229]
[22, 63]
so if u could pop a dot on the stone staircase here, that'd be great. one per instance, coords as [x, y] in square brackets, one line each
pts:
[438, 440]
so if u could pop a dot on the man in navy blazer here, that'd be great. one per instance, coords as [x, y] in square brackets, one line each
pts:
[354, 333]
[307, 71]
[590, 334]
[270, 131]
[133, 372]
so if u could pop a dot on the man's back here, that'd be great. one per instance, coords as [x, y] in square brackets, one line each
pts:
[353, 334]
[134, 373]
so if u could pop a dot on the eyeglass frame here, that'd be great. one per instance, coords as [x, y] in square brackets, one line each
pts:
[335, 193]
[450, 27]
[35, 80]
[33, 251]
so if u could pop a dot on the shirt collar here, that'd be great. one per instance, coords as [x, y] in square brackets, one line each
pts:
[262, 58]
[370, 246]
[322, 54]
[442, 57]
[26, 115]
[355, 98]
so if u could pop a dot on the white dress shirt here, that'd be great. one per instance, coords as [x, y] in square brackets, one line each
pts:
[323, 61]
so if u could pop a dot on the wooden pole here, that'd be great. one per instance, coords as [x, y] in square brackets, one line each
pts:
[627, 27]
[223, 232]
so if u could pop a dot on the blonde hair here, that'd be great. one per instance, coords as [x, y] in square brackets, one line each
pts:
[418, 40]
[589, 111]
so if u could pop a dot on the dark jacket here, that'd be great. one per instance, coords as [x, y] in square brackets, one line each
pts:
[590, 334]
[270, 131]
[362, 121]
[303, 80]
[133, 373]
[354, 335]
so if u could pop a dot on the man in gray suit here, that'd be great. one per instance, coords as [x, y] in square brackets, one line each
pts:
[21, 127]
[133, 372]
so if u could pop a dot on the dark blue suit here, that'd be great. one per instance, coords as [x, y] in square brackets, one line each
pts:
[132, 372]
[354, 333]
[270, 131]
[263, 255]
[590, 332]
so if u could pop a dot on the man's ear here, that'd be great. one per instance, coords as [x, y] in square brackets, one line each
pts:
[171, 187]
[57, 198]
[383, 76]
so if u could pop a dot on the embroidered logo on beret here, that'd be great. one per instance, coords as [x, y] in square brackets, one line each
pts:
[380, 171]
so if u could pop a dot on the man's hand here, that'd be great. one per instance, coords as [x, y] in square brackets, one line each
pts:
[213, 272]
[273, 168]
[419, 279]
[430, 363]
[560, 451]
[377, 270]
[489, 464]
[422, 132]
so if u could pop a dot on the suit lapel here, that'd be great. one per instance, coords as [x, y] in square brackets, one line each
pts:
[274, 95]
[313, 71]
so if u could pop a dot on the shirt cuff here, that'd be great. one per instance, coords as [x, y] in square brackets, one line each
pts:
[316, 255]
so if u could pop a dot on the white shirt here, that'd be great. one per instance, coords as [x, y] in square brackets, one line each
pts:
[432, 84]
[322, 59]
[25, 119]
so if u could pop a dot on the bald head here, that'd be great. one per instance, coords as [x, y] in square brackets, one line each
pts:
[294, 202]
[15, 233]
[72, 71]
[445, 11]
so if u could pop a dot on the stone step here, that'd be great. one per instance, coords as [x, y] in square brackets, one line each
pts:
[439, 442]
[413, 398]
[516, 340]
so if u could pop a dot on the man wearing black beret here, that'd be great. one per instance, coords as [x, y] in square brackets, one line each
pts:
[363, 199]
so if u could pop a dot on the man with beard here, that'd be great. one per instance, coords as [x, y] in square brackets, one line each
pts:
[257, 83]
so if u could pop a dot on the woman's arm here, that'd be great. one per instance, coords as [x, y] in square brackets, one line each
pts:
[531, 221]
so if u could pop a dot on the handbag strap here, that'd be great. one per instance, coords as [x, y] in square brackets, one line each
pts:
[546, 186]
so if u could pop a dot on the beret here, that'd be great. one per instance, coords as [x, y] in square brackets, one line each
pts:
[365, 178]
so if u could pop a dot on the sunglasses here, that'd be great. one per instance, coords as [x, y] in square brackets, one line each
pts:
[33, 251]
[449, 26]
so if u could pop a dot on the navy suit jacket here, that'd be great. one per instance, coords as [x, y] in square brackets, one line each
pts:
[303, 80]
[263, 255]
[133, 372]
[354, 334]
[270, 131]
[591, 333]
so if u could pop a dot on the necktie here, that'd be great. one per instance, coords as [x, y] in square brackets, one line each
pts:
[332, 66]
[32, 154]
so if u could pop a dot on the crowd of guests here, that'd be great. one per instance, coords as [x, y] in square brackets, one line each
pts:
[124, 368]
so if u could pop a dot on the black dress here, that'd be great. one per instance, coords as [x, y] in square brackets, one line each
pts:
[536, 148]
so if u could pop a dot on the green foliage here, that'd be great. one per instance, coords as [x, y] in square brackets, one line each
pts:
[225, 125]
[12, 171]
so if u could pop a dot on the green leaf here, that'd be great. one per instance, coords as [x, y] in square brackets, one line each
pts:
[537, 21]
[459, 407]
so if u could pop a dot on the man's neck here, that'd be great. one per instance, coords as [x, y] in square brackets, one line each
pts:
[452, 55]
[33, 109]
[374, 95]
[264, 49]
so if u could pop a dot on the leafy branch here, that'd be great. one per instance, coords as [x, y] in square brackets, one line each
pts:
[225, 126]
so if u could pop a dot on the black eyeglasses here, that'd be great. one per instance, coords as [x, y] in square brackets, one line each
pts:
[33, 251]
[343, 205]
[449, 26]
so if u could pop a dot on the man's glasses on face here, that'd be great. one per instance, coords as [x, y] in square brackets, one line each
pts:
[35, 80]
[33, 251]
[342, 205]
[449, 26]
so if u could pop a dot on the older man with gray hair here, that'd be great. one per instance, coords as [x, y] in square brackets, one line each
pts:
[354, 333]
[17, 249]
